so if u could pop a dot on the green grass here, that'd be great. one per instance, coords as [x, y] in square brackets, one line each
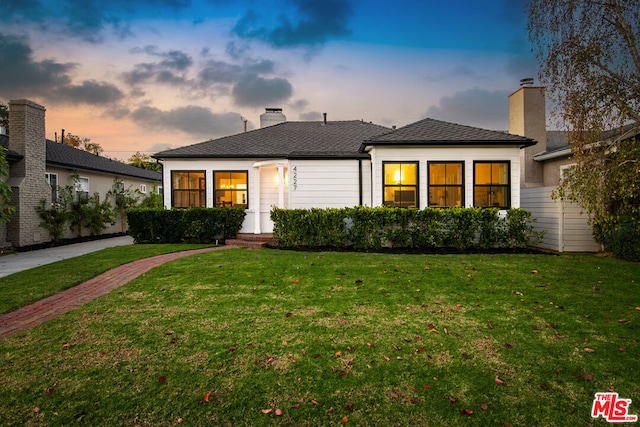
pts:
[32, 285]
[381, 339]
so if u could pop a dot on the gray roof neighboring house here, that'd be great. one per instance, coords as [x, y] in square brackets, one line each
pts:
[72, 158]
[333, 139]
[10, 154]
[437, 132]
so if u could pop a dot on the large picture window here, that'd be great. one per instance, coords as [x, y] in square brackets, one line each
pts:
[491, 185]
[231, 188]
[446, 184]
[400, 186]
[188, 189]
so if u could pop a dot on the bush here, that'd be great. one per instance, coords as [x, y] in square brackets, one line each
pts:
[365, 228]
[194, 225]
[623, 240]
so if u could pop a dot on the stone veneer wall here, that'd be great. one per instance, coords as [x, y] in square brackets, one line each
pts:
[27, 178]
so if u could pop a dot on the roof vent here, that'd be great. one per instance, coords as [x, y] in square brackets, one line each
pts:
[272, 116]
[528, 81]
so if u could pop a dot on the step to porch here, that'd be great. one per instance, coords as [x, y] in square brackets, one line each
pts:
[248, 240]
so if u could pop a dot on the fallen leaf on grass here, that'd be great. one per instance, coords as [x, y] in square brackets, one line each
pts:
[266, 411]
[589, 350]
[345, 419]
[350, 406]
[206, 396]
[452, 399]
[484, 406]
[489, 325]
[467, 412]
[278, 412]
[315, 402]
[499, 381]
[387, 358]
[427, 386]
[393, 395]
[162, 379]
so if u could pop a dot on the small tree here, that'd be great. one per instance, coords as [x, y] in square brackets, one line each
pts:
[144, 161]
[125, 198]
[81, 143]
[54, 218]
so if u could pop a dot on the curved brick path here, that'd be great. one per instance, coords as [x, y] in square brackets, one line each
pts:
[40, 311]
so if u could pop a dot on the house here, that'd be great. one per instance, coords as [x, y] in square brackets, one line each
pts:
[567, 227]
[38, 168]
[326, 164]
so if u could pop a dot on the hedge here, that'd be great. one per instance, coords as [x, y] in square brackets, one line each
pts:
[366, 228]
[193, 225]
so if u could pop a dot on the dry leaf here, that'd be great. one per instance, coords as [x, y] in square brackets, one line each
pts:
[452, 399]
[387, 358]
[206, 396]
[589, 350]
[499, 381]
[467, 412]
[484, 406]
[489, 325]
[266, 411]
[162, 379]
[278, 412]
[394, 395]
[345, 419]
[315, 402]
[350, 406]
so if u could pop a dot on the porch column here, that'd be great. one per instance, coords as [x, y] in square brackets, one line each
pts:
[256, 202]
[280, 185]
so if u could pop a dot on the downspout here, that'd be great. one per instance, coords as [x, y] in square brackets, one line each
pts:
[360, 181]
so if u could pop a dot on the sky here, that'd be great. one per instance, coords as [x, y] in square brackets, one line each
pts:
[147, 75]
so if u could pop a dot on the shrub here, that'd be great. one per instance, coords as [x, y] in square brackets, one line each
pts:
[622, 240]
[194, 225]
[365, 228]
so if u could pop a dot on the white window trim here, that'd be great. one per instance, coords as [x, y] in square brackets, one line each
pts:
[48, 176]
[143, 188]
[80, 187]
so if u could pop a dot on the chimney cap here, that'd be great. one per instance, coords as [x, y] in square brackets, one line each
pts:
[527, 81]
[273, 110]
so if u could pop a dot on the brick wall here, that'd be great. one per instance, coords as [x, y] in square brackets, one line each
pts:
[27, 178]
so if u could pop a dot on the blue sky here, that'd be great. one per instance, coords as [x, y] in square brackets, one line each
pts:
[152, 74]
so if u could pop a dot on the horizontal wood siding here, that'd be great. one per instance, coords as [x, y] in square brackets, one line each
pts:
[567, 229]
[323, 184]
[454, 154]
[546, 211]
[578, 236]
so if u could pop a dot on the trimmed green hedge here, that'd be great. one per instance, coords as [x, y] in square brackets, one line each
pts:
[365, 228]
[194, 225]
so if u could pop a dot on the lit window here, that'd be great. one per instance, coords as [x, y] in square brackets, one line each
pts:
[400, 186]
[231, 188]
[446, 184]
[52, 179]
[188, 189]
[491, 185]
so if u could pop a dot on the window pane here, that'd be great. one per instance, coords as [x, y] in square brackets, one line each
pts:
[500, 173]
[437, 197]
[392, 174]
[454, 173]
[437, 173]
[453, 196]
[409, 175]
[483, 173]
[231, 188]
[188, 189]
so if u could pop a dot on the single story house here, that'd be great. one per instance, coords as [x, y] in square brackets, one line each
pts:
[324, 164]
[38, 168]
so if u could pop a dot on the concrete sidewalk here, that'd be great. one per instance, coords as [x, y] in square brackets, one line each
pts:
[21, 261]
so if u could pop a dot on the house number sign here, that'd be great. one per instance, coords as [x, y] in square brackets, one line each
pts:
[295, 178]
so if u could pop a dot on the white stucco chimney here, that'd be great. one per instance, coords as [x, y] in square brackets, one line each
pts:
[272, 116]
[527, 117]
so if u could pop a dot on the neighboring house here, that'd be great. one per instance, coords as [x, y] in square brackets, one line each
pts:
[327, 164]
[39, 167]
[542, 166]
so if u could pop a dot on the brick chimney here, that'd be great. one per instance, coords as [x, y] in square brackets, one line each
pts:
[27, 177]
[527, 117]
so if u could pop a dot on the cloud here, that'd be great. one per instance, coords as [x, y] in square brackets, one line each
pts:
[314, 24]
[89, 92]
[191, 119]
[170, 70]
[474, 107]
[256, 91]
[22, 76]
[311, 116]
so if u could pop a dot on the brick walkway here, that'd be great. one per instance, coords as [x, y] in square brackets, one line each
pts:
[33, 314]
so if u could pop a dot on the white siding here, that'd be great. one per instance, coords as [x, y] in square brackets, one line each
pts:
[323, 184]
[466, 154]
[567, 229]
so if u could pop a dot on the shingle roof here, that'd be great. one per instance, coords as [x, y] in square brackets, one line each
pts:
[437, 132]
[69, 157]
[334, 139]
[10, 154]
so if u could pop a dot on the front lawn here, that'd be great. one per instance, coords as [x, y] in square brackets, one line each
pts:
[268, 337]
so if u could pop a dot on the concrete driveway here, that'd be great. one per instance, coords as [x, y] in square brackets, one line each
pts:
[21, 261]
